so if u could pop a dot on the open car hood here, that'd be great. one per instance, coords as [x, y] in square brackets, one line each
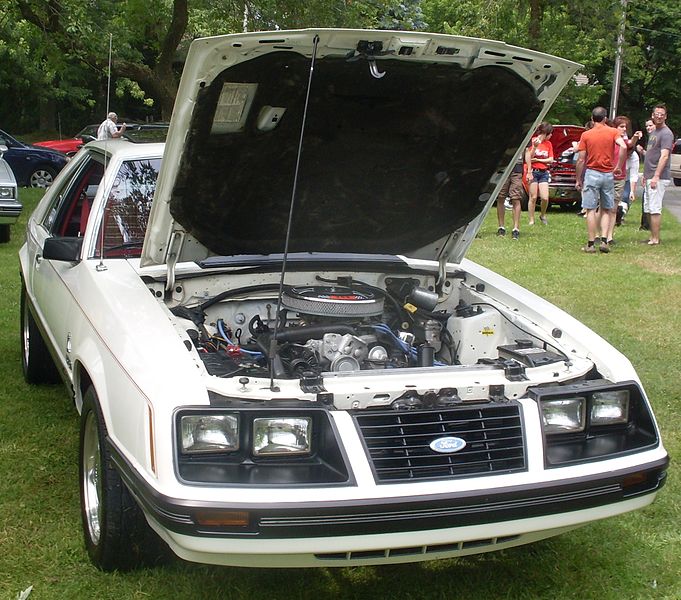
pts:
[406, 138]
[563, 137]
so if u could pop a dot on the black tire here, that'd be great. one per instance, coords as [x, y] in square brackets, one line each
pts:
[42, 177]
[677, 181]
[4, 233]
[117, 536]
[524, 201]
[36, 361]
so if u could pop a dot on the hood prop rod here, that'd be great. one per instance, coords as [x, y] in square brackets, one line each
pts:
[274, 359]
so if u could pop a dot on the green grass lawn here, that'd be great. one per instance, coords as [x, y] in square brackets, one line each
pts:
[631, 297]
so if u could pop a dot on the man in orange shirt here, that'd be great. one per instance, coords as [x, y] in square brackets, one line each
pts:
[596, 151]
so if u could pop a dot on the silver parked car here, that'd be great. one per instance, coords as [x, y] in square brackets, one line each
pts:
[280, 354]
[10, 207]
[675, 163]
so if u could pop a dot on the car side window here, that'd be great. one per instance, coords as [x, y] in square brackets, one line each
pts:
[69, 213]
[126, 213]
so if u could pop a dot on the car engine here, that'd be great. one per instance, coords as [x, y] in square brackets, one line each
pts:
[347, 326]
[344, 326]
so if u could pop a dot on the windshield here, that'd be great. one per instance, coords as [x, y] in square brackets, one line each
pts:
[126, 214]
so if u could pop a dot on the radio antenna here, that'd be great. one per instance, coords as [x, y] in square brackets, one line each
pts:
[108, 79]
[101, 266]
[273, 342]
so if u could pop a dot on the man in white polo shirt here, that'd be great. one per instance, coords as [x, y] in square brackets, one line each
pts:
[108, 128]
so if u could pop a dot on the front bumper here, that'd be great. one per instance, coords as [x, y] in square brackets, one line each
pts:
[10, 211]
[390, 548]
[379, 529]
[564, 193]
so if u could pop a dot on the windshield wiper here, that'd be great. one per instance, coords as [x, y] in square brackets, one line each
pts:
[124, 245]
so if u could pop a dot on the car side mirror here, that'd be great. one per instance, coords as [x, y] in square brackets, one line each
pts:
[63, 248]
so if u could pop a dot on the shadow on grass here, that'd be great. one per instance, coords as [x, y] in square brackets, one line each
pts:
[571, 566]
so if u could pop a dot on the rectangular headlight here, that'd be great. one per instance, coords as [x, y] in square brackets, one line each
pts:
[209, 433]
[564, 415]
[282, 436]
[616, 419]
[6, 192]
[610, 407]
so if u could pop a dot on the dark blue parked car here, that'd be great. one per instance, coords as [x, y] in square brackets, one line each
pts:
[32, 166]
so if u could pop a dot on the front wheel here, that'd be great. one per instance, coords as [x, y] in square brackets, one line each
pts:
[4, 233]
[43, 177]
[117, 536]
[524, 200]
[36, 361]
[677, 181]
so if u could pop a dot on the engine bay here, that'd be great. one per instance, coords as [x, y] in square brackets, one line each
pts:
[340, 324]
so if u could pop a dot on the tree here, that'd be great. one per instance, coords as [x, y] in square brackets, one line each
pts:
[39, 63]
[580, 32]
[651, 57]
[54, 53]
[67, 42]
[156, 75]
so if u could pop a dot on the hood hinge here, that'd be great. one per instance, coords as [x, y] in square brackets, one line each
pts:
[172, 255]
[442, 257]
[441, 276]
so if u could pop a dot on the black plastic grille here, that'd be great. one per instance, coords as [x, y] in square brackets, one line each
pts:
[398, 442]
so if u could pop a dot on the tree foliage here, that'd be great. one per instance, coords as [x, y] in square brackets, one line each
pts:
[54, 53]
[652, 58]
[560, 28]
[585, 32]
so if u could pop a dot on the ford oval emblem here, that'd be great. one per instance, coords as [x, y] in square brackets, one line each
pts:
[447, 445]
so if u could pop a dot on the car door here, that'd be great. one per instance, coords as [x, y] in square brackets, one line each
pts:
[52, 281]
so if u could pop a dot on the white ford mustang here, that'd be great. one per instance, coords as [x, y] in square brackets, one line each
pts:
[285, 359]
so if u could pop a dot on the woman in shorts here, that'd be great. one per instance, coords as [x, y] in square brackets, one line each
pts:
[538, 158]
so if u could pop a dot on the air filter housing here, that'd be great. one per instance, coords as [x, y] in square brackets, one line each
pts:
[332, 301]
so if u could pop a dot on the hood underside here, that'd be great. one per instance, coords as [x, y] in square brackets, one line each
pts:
[404, 139]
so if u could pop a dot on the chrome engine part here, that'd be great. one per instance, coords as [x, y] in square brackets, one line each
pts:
[432, 330]
[336, 352]
[332, 301]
